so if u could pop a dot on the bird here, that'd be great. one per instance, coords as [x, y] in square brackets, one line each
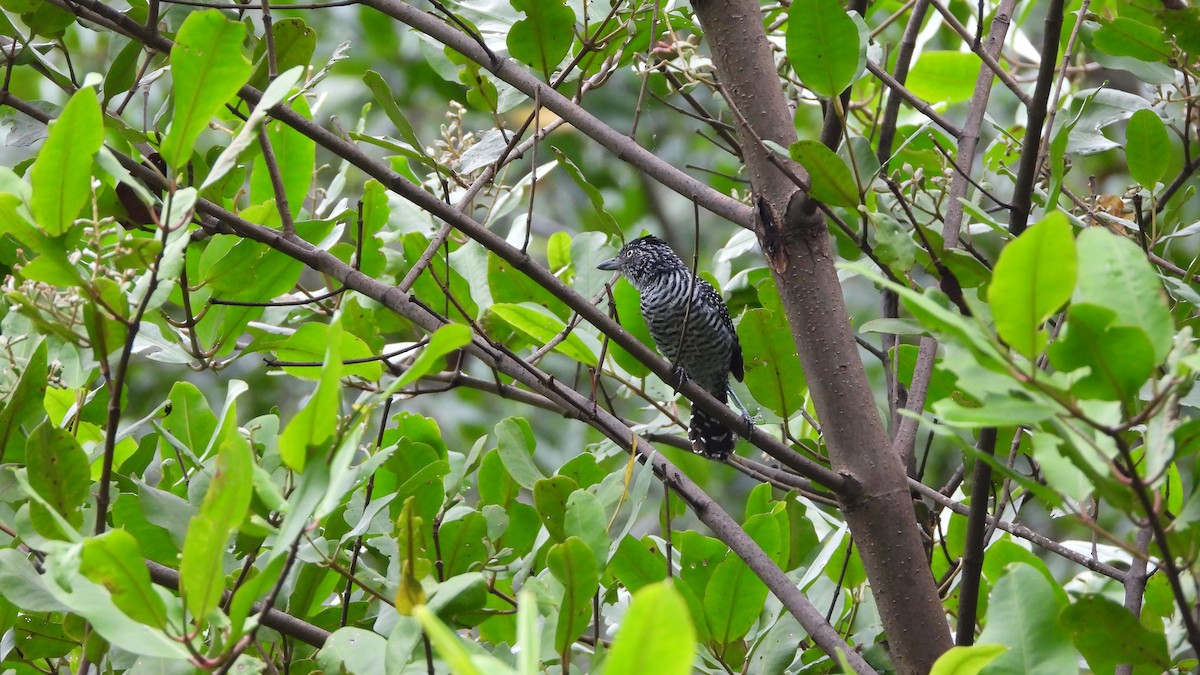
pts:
[691, 327]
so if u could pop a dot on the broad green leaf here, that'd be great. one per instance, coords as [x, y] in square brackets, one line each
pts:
[1033, 278]
[825, 46]
[773, 372]
[386, 99]
[52, 264]
[1119, 358]
[443, 341]
[93, 602]
[966, 660]
[190, 420]
[1108, 634]
[62, 173]
[1128, 37]
[452, 650]
[295, 155]
[509, 285]
[542, 38]
[459, 595]
[515, 446]
[248, 134]
[58, 471]
[995, 411]
[832, 181]
[637, 564]
[294, 44]
[608, 224]
[574, 565]
[308, 345]
[944, 76]
[121, 73]
[894, 245]
[656, 635]
[1147, 147]
[543, 327]
[1023, 616]
[207, 69]
[1116, 275]
[587, 520]
[462, 544]
[114, 561]
[23, 404]
[733, 599]
[550, 497]
[355, 651]
[202, 576]
[312, 427]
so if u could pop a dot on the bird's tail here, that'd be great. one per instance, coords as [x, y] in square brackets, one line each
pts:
[710, 437]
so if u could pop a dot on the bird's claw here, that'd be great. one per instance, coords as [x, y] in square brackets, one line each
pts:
[681, 377]
[749, 422]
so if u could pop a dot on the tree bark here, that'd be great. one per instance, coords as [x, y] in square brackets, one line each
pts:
[795, 240]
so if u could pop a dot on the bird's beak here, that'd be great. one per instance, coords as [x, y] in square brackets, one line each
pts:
[610, 264]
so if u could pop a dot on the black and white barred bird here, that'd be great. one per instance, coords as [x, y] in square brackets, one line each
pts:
[691, 326]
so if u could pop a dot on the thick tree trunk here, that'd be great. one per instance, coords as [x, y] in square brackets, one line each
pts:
[794, 238]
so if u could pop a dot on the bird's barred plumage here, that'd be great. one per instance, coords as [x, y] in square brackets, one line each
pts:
[696, 336]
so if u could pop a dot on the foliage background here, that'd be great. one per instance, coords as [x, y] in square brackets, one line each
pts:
[160, 451]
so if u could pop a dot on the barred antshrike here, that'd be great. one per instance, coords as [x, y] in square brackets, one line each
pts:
[691, 326]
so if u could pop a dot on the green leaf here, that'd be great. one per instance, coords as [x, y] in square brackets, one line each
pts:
[62, 173]
[308, 344]
[248, 134]
[443, 341]
[201, 572]
[387, 100]
[1120, 358]
[832, 181]
[313, 426]
[295, 155]
[1127, 37]
[1023, 616]
[637, 563]
[1108, 634]
[825, 46]
[550, 497]
[1033, 279]
[574, 565]
[1117, 275]
[23, 403]
[543, 327]
[462, 544]
[1147, 147]
[586, 520]
[452, 649]
[542, 38]
[773, 372]
[114, 561]
[207, 69]
[966, 660]
[656, 635]
[608, 224]
[191, 420]
[59, 472]
[944, 76]
[733, 599]
[294, 44]
[515, 445]
[355, 651]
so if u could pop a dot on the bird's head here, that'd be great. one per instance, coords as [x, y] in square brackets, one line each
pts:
[643, 260]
